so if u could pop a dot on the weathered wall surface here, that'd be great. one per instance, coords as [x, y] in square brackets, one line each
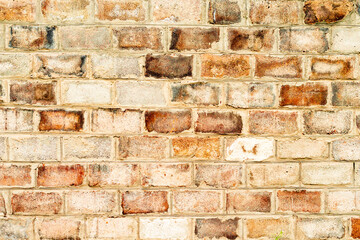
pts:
[179, 119]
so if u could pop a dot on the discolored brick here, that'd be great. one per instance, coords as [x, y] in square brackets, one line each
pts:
[60, 175]
[273, 122]
[122, 10]
[299, 201]
[325, 11]
[15, 175]
[355, 227]
[308, 94]
[218, 175]
[320, 228]
[43, 203]
[33, 93]
[218, 122]
[345, 94]
[199, 93]
[197, 202]
[138, 38]
[15, 65]
[229, 66]
[2, 205]
[346, 149]
[181, 11]
[332, 67]
[194, 38]
[215, 228]
[191, 147]
[18, 227]
[73, 11]
[61, 120]
[143, 147]
[87, 148]
[59, 228]
[343, 201]
[257, 40]
[278, 67]
[249, 149]
[167, 122]
[224, 12]
[137, 202]
[268, 227]
[19, 120]
[17, 10]
[248, 201]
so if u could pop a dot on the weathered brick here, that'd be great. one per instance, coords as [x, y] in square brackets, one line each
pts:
[308, 94]
[72, 11]
[274, 12]
[33, 93]
[15, 65]
[137, 202]
[302, 148]
[166, 174]
[250, 95]
[91, 202]
[197, 202]
[248, 201]
[343, 201]
[116, 174]
[268, 227]
[320, 228]
[3, 148]
[194, 38]
[191, 147]
[224, 12]
[262, 175]
[138, 38]
[355, 227]
[125, 228]
[345, 94]
[218, 122]
[346, 149]
[143, 147]
[59, 66]
[61, 120]
[199, 93]
[31, 37]
[58, 228]
[165, 228]
[2, 205]
[218, 175]
[15, 175]
[326, 11]
[114, 120]
[327, 122]
[326, 173]
[16, 228]
[72, 37]
[215, 228]
[345, 39]
[85, 148]
[257, 40]
[43, 203]
[17, 10]
[332, 67]
[168, 121]
[60, 175]
[278, 67]
[273, 122]
[228, 66]
[109, 66]
[249, 149]
[133, 10]
[299, 201]
[167, 66]
[19, 120]
[182, 11]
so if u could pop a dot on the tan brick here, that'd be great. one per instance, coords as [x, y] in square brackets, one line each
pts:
[320, 228]
[19, 120]
[143, 147]
[132, 10]
[347, 149]
[249, 149]
[137, 202]
[201, 202]
[224, 12]
[60, 175]
[3, 148]
[268, 228]
[308, 94]
[33, 93]
[191, 147]
[257, 40]
[59, 228]
[182, 11]
[61, 120]
[85, 148]
[183, 39]
[91, 202]
[345, 94]
[15, 175]
[343, 201]
[218, 122]
[248, 201]
[299, 201]
[17, 10]
[216, 228]
[199, 93]
[325, 11]
[278, 67]
[21, 228]
[138, 38]
[70, 11]
[125, 228]
[345, 39]
[15, 65]
[168, 66]
[168, 121]
[2, 205]
[225, 66]
[332, 67]
[302, 148]
[218, 175]
[165, 228]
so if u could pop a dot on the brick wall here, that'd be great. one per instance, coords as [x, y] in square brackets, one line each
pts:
[179, 119]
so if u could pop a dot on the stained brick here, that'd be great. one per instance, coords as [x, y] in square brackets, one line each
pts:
[66, 11]
[320, 228]
[85, 148]
[224, 12]
[345, 94]
[299, 201]
[325, 11]
[15, 65]
[257, 40]
[15, 175]
[137, 202]
[143, 147]
[59, 228]
[248, 201]
[18, 227]
[17, 10]
[309, 94]
[194, 38]
[61, 120]
[182, 11]
[33, 93]
[332, 67]
[218, 122]
[112, 66]
[229, 66]
[218, 175]
[110, 10]
[60, 175]
[216, 228]
[267, 227]
[355, 227]
[249, 149]
[167, 122]
[20, 120]
[191, 147]
[199, 93]
[138, 38]
[278, 67]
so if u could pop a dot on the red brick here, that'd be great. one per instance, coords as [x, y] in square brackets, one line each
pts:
[355, 228]
[58, 228]
[218, 122]
[224, 12]
[138, 38]
[278, 67]
[326, 11]
[43, 203]
[218, 175]
[15, 175]
[228, 66]
[299, 201]
[60, 175]
[248, 201]
[308, 94]
[168, 121]
[33, 93]
[197, 201]
[190, 147]
[143, 147]
[194, 38]
[133, 10]
[135, 202]
[91, 202]
[199, 93]
[17, 10]
[61, 120]
[257, 40]
[332, 67]
[215, 228]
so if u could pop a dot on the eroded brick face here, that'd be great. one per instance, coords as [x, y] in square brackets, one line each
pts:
[60, 120]
[323, 11]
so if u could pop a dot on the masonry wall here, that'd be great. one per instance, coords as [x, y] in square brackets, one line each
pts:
[179, 119]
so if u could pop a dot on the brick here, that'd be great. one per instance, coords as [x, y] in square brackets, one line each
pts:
[326, 173]
[150, 147]
[16, 228]
[60, 175]
[18, 10]
[343, 201]
[2, 205]
[249, 149]
[302, 148]
[59, 66]
[95, 92]
[191, 147]
[138, 38]
[346, 149]
[224, 12]
[182, 11]
[71, 11]
[345, 39]
[194, 38]
[215, 228]
[43, 203]
[85, 148]
[257, 40]
[14, 65]
[95, 37]
[3, 148]
[121, 10]
[117, 174]
[332, 67]
[274, 12]
[355, 227]
[167, 66]
[218, 175]
[345, 94]
[107, 66]
[31, 37]
[91, 202]
[199, 93]
[308, 94]
[250, 95]
[218, 122]
[33, 93]
[165, 228]
[203, 202]
[152, 93]
[166, 174]
[58, 228]
[273, 122]
[19, 120]
[278, 67]
[299, 201]
[114, 120]
[320, 228]
[225, 66]
[357, 174]
[327, 122]
[34, 148]
[248, 201]
[262, 175]
[268, 227]
[168, 121]
[137, 202]
[325, 11]
[112, 228]
[61, 120]
[15, 175]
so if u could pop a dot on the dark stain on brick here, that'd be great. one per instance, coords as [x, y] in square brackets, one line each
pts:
[326, 11]
[21, 35]
[33, 93]
[218, 122]
[224, 12]
[192, 93]
[217, 228]
[193, 38]
[310, 94]
[62, 175]
[60, 120]
[249, 202]
[345, 69]
[168, 122]
[253, 40]
[270, 66]
[165, 66]
[358, 121]
[134, 202]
